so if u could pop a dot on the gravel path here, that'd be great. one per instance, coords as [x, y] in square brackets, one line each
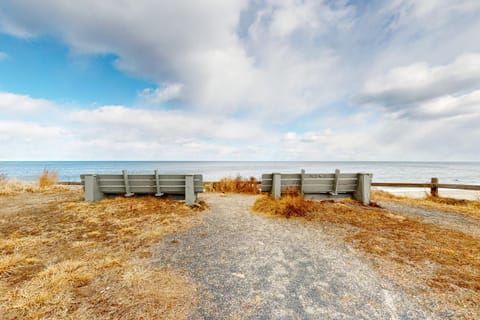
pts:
[448, 220]
[248, 266]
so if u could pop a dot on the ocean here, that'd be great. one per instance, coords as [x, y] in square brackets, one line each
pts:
[383, 171]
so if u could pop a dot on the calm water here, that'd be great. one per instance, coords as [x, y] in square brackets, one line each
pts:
[447, 172]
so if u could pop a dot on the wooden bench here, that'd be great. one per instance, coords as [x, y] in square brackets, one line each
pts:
[319, 185]
[96, 186]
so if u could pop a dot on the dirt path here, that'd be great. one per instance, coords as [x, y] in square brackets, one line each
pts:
[448, 220]
[248, 266]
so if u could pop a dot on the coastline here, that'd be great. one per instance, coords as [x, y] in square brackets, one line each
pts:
[420, 193]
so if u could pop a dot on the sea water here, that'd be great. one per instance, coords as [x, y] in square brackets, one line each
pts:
[447, 172]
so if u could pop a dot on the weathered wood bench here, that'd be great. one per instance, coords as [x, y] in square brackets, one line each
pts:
[319, 185]
[96, 186]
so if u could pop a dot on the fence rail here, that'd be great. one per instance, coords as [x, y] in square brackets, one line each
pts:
[433, 185]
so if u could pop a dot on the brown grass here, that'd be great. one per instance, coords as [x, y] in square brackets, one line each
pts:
[47, 183]
[47, 179]
[424, 259]
[469, 208]
[235, 185]
[76, 260]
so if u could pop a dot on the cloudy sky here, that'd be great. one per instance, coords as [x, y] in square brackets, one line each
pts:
[239, 80]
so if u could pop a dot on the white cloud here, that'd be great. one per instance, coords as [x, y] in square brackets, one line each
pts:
[127, 123]
[3, 55]
[419, 81]
[466, 105]
[13, 103]
[168, 92]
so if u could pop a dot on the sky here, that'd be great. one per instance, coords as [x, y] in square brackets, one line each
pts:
[325, 80]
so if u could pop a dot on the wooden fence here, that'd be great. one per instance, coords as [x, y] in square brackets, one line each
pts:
[97, 185]
[434, 185]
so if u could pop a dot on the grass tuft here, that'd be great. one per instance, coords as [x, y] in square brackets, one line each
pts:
[47, 179]
[234, 185]
[416, 254]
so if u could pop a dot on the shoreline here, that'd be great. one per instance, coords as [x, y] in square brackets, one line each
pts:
[420, 193]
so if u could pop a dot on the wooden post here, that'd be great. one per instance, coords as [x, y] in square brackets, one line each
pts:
[276, 185]
[127, 185]
[363, 188]
[434, 187]
[157, 185]
[189, 190]
[336, 181]
[92, 189]
[302, 181]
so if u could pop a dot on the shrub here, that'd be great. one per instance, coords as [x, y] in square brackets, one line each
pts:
[47, 179]
[236, 185]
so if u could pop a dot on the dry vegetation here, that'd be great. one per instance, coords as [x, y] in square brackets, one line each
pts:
[236, 185]
[70, 259]
[47, 182]
[470, 208]
[47, 179]
[435, 263]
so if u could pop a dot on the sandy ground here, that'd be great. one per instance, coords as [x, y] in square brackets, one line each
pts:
[249, 266]
[420, 193]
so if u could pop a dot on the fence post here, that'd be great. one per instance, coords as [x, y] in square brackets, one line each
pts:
[127, 184]
[92, 190]
[434, 187]
[189, 190]
[363, 188]
[302, 181]
[276, 185]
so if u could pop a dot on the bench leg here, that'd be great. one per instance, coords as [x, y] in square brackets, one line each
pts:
[190, 196]
[363, 189]
[92, 190]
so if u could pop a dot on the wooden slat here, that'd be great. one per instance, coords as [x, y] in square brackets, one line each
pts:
[146, 190]
[317, 189]
[401, 184]
[286, 176]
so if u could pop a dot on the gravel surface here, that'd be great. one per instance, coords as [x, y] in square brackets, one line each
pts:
[247, 266]
[448, 220]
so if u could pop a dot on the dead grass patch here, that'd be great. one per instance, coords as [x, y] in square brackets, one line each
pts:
[71, 259]
[47, 179]
[469, 208]
[47, 183]
[424, 259]
[235, 185]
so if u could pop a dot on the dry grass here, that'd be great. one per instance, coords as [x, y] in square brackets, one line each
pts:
[235, 185]
[76, 260]
[47, 179]
[47, 183]
[470, 208]
[12, 187]
[424, 259]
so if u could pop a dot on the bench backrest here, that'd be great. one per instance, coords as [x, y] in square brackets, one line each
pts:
[319, 185]
[130, 184]
[145, 183]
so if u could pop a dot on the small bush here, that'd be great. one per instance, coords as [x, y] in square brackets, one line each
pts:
[236, 185]
[47, 179]
[291, 205]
